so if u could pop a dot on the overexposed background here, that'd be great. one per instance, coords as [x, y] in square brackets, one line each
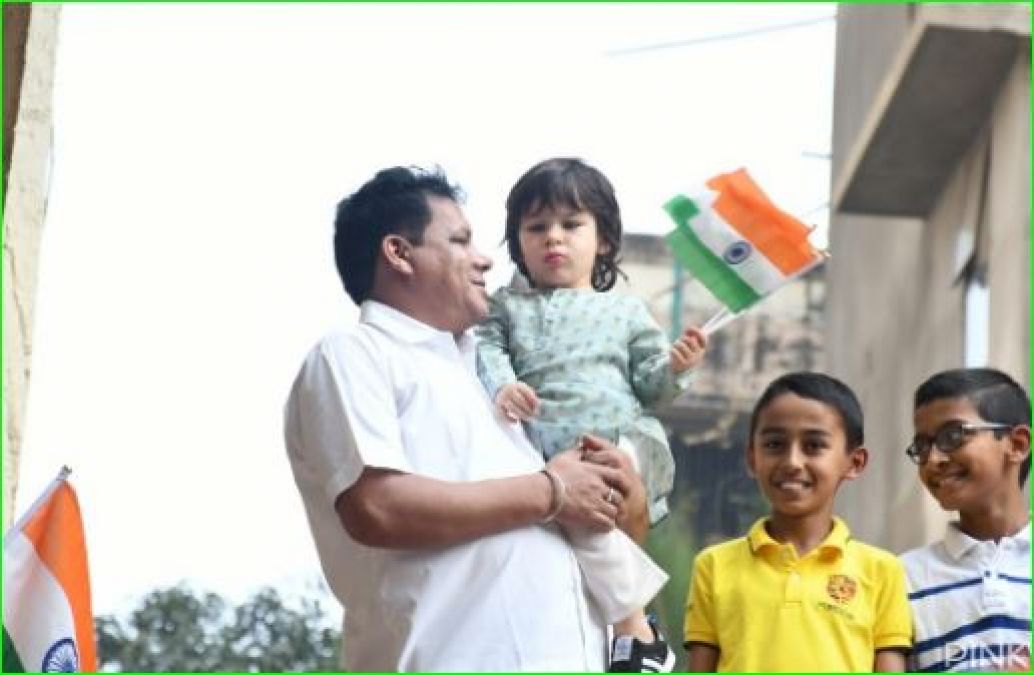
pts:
[199, 153]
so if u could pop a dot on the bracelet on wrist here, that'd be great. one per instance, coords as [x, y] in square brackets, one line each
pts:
[556, 503]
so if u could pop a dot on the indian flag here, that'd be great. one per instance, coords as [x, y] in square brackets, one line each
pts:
[48, 621]
[736, 242]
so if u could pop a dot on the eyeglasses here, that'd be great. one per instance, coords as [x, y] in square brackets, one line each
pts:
[949, 438]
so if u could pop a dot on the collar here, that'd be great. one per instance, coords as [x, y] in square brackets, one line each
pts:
[958, 543]
[758, 537]
[405, 328]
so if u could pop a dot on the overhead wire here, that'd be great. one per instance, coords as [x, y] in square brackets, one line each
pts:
[718, 38]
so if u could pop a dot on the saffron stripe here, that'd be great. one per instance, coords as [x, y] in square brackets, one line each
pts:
[57, 535]
[779, 236]
[984, 623]
[935, 590]
[753, 267]
[710, 271]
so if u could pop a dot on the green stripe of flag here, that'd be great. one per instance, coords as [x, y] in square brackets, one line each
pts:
[12, 664]
[709, 269]
[681, 208]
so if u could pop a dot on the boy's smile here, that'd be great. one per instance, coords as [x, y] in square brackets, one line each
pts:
[799, 456]
[966, 477]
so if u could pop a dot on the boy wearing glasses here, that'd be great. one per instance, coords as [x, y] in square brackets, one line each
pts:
[798, 593]
[970, 592]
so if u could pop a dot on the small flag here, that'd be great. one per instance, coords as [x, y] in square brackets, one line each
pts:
[737, 243]
[48, 620]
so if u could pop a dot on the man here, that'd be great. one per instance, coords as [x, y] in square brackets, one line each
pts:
[426, 509]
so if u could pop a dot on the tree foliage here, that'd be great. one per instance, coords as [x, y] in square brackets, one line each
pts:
[176, 629]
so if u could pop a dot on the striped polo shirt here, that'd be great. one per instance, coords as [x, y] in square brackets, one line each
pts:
[970, 603]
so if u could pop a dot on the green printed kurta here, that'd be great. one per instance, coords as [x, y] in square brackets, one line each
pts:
[597, 362]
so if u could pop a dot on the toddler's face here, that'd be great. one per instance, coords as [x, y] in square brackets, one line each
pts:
[799, 455]
[559, 246]
[962, 479]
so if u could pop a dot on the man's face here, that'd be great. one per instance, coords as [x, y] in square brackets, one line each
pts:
[966, 478]
[448, 271]
[799, 455]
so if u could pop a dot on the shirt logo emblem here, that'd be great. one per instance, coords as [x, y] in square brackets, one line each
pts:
[841, 588]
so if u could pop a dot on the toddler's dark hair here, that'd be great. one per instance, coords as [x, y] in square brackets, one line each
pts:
[569, 182]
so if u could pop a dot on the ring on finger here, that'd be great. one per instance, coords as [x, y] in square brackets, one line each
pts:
[611, 496]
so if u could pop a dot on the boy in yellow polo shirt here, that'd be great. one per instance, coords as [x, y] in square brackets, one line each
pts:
[798, 593]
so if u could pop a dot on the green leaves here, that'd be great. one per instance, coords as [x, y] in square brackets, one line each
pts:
[178, 629]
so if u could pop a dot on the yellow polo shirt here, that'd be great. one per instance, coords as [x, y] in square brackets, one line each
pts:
[766, 609]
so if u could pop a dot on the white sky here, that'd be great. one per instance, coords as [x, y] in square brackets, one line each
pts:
[199, 153]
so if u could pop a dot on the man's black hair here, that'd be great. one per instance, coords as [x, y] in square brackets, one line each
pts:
[392, 202]
[997, 397]
[821, 388]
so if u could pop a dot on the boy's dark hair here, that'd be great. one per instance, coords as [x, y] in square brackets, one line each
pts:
[393, 202]
[821, 388]
[570, 182]
[997, 397]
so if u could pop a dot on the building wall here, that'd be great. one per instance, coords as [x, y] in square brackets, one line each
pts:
[867, 47]
[896, 309]
[1008, 222]
[16, 29]
[25, 202]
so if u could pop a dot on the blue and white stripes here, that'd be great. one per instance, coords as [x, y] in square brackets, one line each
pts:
[970, 603]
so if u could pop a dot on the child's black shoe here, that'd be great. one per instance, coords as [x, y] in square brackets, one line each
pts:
[630, 655]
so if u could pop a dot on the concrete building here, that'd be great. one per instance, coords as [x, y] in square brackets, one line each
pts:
[30, 40]
[929, 228]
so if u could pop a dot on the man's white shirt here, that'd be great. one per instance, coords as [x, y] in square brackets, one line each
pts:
[970, 602]
[394, 393]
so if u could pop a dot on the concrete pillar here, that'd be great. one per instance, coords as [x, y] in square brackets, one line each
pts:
[24, 212]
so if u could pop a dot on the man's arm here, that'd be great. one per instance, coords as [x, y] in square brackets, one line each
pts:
[391, 509]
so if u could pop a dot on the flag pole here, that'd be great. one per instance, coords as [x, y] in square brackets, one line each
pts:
[62, 475]
[716, 321]
[720, 319]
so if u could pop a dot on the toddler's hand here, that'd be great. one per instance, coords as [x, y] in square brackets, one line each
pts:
[517, 401]
[688, 351]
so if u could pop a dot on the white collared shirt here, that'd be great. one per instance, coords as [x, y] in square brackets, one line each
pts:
[970, 602]
[394, 393]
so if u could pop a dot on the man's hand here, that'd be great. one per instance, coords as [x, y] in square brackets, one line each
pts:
[587, 488]
[633, 515]
[688, 351]
[517, 402]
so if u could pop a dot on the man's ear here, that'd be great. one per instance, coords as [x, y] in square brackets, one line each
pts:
[1019, 443]
[859, 459]
[397, 250]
